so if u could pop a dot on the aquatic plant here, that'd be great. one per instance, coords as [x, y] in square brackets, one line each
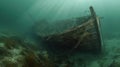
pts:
[31, 61]
[9, 43]
[17, 53]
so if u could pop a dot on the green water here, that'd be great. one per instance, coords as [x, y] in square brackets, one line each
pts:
[20, 15]
[23, 13]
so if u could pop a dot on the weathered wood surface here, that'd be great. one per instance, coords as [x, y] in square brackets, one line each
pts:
[84, 37]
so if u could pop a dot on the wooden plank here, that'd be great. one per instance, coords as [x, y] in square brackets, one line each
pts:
[97, 25]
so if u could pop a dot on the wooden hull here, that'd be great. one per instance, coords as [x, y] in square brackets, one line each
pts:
[84, 37]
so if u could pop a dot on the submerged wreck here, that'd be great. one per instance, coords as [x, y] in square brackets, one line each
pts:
[82, 33]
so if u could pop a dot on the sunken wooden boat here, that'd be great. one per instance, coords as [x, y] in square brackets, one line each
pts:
[83, 35]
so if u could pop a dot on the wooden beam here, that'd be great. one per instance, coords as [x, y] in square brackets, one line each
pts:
[97, 26]
[93, 14]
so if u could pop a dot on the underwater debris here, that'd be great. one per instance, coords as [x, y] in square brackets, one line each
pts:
[75, 34]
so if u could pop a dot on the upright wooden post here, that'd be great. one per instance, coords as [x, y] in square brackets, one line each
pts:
[93, 14]
[97, 26]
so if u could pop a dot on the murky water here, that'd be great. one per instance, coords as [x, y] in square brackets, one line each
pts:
[19, 17]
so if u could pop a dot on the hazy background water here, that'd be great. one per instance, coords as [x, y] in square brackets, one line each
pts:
[20, 15]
